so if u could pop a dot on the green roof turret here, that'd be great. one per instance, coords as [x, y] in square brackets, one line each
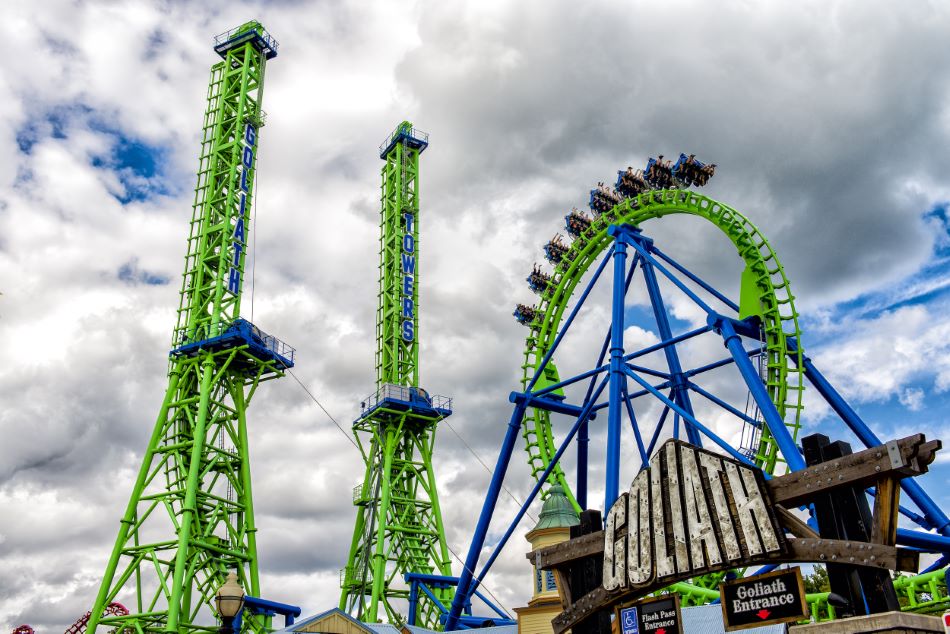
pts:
[557, 511]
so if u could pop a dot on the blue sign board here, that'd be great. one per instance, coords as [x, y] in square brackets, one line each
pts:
[629, 623]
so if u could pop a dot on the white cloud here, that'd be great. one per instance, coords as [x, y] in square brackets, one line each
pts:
[528, 105]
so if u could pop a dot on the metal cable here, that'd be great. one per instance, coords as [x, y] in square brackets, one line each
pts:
[320, 405]
[489, 470]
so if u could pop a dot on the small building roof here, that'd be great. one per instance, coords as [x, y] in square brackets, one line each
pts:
[336, 622]
[557, 511]
[707, 619]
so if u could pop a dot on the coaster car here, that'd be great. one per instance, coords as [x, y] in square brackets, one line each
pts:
[603, 199]
[659, 173]
[538, 280]
[691, 171]
[576, 223]
[631, 183]
[555, 249]
[525, 314]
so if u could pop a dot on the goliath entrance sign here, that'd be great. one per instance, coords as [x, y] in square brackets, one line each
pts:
[693, 512]
[774, 597]
[689, 512]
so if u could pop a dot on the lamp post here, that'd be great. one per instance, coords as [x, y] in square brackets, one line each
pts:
[229, 600]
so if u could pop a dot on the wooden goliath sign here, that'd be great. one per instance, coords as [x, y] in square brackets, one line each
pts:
[691, 511]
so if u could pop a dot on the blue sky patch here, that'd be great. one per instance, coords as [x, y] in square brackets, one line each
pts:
[130, 273]
[139, 166]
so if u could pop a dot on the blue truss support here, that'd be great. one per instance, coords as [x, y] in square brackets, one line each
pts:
[618, 380]
[726, 406]
[649, 259]
[935, 518]
[583, 434]
[682, 269]
[659, 427]
[644, 456]
[555, 459]
[569, 321]
[729, 449]
[506, 617]
[413, 601]
[467, 583]
[783, 438]
[668, 342]
[484, 519]
[924, 541]
[680, 391]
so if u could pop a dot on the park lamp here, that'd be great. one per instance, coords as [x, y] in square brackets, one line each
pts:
[229, 600]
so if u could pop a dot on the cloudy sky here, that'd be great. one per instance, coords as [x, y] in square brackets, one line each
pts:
[828, 121]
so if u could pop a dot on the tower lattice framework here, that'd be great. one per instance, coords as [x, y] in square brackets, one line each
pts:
[190, 518]
[398, 526]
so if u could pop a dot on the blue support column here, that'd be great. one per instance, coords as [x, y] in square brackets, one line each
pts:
[583, 434]
[583, 441]
[783, 438]
[618, 379]
[484, 519]
[413, 600]
[680, 391]
[934, 515]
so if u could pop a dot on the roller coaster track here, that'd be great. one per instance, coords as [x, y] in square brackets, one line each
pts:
[784, 378]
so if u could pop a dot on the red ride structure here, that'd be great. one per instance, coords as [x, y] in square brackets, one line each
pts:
[113, 609]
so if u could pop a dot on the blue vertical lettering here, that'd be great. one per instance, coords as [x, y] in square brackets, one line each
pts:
[408, 264]
[408, 269]
[234, 281]
[239, 238]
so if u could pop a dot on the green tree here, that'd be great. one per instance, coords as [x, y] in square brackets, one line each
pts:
[817, 581]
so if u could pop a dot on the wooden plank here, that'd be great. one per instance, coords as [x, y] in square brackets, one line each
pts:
[886, 508]
[564, 553]
[860, 469]
[795, 526]
[563, 588]
[851, 553]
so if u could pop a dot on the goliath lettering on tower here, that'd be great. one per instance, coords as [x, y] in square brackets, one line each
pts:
[239, 238]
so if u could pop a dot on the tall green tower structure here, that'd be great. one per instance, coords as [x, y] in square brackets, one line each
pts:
[398, 526]
[190, 518]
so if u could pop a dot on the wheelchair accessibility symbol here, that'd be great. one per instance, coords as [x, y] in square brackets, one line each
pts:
[628, 621]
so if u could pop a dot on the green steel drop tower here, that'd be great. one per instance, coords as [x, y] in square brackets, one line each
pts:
[398, 526]
[190, 519]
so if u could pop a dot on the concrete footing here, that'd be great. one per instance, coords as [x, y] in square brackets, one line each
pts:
[902, 622]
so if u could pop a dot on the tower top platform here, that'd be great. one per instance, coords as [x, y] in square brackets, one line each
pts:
[401, 398]
[253, 32]
[416, 139]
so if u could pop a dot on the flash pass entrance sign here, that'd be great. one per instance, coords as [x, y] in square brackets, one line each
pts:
[651, 616]
[775, 597]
